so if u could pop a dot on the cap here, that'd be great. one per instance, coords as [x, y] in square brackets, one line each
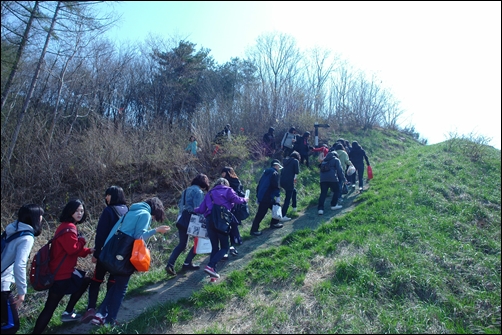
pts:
[271, 129]
[276, 162]
[306, 134]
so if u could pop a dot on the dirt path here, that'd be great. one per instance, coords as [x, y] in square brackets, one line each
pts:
[184, 284]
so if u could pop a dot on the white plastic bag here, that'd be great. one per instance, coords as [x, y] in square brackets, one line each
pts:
[351, 170]
[197, 226]
[202, 245]
[277, 212]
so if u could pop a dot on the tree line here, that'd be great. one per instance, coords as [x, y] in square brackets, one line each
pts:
[74, 101]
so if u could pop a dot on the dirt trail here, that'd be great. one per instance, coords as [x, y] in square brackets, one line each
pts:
[185, 283]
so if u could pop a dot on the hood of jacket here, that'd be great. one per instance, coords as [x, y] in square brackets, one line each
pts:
[330, 155]
[17, 226]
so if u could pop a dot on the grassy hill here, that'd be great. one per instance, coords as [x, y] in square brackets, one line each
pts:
[418, 253]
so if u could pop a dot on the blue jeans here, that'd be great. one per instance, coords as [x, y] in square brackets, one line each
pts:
[182, 245]
[325, 186]
[114, 297]
[290, 196]
[220, 244]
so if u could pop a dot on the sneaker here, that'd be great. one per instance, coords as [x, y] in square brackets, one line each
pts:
[233, 251]
[98, 320]
[353, 185]
[67, 317]
[336, 207]
[170, 270]
[294, 209]
[88, 315]
[320, 212]
[285, 219]
[360, 189]
[212, 272]
[191, 267]
[225, 257]
[256, 233]
[277, 225]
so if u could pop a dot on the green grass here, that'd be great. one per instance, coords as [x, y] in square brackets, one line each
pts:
[419, 253]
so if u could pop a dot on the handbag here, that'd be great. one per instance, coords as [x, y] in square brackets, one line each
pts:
[276, 212]
[222, 218]
[202, 245]
[241, 211]
[184, 219]
[197, 226]
[370, 172]
[140, 257]
[116, 253]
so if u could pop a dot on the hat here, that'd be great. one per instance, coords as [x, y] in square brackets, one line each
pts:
[271, 129]
[306, 134]
[276, 162]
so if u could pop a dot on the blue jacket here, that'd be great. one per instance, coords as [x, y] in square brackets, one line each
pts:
[221, 195]
[191, 198]
[268, 186]
[135, 223]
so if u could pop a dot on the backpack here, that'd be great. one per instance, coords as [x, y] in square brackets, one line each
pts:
[6, 240]
[41, 277]
[325, 167]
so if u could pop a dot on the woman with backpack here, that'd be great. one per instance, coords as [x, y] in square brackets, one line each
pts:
[330, 176]
[15, 256]
[234, 182]
[67, 247]
[116, 207]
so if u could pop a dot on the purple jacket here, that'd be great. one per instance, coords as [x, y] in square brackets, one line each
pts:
[222, 195]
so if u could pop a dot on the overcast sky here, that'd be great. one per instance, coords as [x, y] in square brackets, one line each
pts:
[442, 60]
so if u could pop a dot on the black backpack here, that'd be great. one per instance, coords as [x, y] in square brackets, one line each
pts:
[325, 167]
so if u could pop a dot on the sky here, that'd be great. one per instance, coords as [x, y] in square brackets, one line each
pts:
[441, 60]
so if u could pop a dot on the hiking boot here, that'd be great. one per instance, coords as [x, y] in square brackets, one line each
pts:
[67, 317]
[256, 233]
[277, 225]
[191, 267]
[88, 315]
[320, 212]
[336, 207]
[170, 270]
[285, 219]
[98, 320]
[233, 251]
[211, 271]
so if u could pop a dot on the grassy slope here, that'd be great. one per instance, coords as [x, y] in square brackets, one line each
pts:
[420, 253]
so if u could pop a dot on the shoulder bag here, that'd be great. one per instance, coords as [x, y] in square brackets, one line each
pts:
[222, 218]
[184, 219]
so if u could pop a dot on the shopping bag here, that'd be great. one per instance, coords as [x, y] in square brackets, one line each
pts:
[140, 257]
[197, 226]
[370, 172]
[276, 212]
[201, 245]
[351, 170]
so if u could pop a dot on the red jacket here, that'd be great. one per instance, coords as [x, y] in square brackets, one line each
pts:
[69, 244]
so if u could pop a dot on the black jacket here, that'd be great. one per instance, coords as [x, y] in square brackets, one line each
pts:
[291, 166]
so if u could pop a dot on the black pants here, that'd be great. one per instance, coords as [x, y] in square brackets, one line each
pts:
[263, 208]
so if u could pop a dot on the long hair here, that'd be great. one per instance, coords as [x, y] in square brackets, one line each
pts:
[157, 209]
[70, 208]
[230, 171]
[117, 196]
[30, 214]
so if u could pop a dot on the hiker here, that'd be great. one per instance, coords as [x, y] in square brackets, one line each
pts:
[322, 150]
[135, 223]
[345, 162]
[269, 142]
[303, 147]
[191, 198]
[192, 146]
[268, 193]
[233, 180]
[66, 249]
[14, 260]
[289, 174]
[222, 137]
[330, 179]
[116, 207]
[288, 141]
[357, 156]
[221, 194]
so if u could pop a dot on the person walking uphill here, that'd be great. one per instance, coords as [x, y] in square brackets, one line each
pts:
[191, 198]
[329, 179]
[268, 193]
[357, 156]
[288, 141]
[221, 194]
[269, 142]
[135, 223]
[288, 177]
[14, 259]
[303, 147]
[65, 250]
